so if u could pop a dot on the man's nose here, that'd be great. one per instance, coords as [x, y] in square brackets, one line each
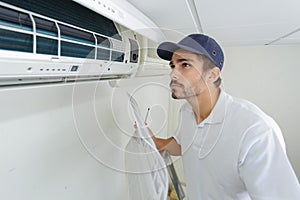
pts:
[175, 74]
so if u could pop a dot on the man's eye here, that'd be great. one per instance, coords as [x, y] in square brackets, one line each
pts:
[186, 65]
[172, 66]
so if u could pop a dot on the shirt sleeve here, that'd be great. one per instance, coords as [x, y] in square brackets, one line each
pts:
[177, 138]
[178, 132]
[265, 169]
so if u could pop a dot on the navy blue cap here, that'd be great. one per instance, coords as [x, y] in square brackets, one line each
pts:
[196, 43]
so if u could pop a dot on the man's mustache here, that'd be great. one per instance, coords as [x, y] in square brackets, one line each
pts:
[176, 82]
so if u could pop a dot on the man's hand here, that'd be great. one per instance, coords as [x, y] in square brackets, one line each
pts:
[169, 144]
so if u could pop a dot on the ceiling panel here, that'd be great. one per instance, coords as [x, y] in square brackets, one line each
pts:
[255, 22]
[292, 39]
[231, 22]
[172, 16]
[259, 34]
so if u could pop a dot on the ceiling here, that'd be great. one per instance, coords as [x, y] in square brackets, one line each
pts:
[231, 22]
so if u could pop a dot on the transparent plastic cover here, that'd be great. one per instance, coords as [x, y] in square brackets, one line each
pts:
[146, 170]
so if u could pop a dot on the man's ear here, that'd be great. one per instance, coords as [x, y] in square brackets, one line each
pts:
[214, 74]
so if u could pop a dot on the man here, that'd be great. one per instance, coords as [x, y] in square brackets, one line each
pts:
[230, 148]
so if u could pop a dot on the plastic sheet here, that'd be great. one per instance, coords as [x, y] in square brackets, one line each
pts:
[147, 173]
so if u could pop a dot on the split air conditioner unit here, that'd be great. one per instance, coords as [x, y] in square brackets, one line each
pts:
[54, 40]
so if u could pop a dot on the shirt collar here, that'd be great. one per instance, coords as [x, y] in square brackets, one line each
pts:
[217, 115]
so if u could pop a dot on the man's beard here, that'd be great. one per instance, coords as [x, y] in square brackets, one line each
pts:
[183, 92]
[174, 96]
[183, 96]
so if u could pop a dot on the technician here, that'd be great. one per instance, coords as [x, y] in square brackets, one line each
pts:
[230, 148]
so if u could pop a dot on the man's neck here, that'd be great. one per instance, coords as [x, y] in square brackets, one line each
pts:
[204, 103]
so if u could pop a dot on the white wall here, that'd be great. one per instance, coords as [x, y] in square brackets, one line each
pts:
[66, 141]
[269, 77]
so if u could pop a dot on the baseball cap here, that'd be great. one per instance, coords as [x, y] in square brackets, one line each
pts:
[197, 43]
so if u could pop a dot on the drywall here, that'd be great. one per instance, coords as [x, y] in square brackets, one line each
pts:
[67, 141]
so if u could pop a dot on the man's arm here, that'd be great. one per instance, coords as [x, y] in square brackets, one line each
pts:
[169, 144]
[265, 169]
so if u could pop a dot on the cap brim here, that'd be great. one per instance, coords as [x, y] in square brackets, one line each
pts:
[166, 49]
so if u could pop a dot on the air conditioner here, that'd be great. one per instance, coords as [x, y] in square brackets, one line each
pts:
[54, 40]
[150, 63]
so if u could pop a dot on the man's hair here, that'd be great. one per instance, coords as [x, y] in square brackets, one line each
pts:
[208, 64]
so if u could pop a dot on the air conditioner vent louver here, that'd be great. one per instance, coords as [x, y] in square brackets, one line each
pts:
[16, 19]
[41, 40]
[69, 12]
[51, 35]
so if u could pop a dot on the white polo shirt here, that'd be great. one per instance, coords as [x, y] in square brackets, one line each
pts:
[238, 152]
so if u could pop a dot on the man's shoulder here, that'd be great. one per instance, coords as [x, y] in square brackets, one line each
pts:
[249, 113]
[243, 106]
